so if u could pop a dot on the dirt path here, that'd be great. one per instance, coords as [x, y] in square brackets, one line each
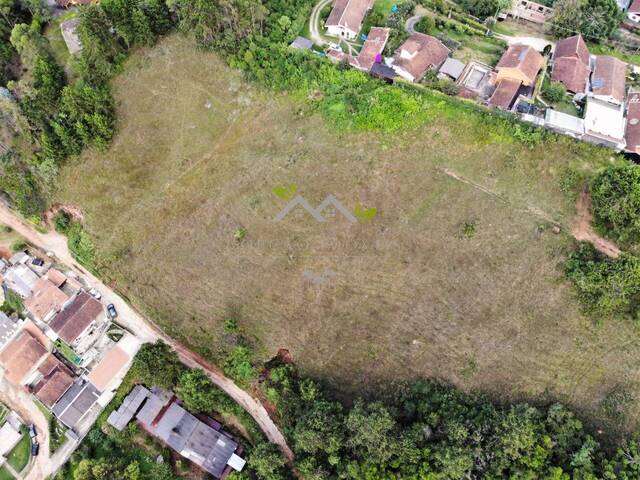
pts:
[144, 328]
[583, 231]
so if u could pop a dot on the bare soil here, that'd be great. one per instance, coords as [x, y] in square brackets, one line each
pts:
[583, 230]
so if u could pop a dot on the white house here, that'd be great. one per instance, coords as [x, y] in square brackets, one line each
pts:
[345, 19]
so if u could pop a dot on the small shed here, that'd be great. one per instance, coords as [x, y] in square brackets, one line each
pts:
[452, 68]
[302, 43]
[383, 72]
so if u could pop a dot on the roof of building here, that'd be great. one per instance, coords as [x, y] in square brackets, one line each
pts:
[572, 47]
[505, 93]
[604, 119]
[372, 48]
[348, 14]
[381, 70]
[76, 317]
[301, 43]
[20, 356]
[419, 53]
[121, 417]
[608, 78]
[524, 58]
[573, 74]
[564, 121]
[46, 298]
[452, 67]
[19, 257]
[635, 7]
[76, 402]
[20, 279]
[9, 437]
[632, 130]
[107, 370]
[8, 328]
[57, 379]
[56, 277]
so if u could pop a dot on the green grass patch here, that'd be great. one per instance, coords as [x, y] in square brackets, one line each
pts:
[604, 49]
[19, 456]
[5, 474]
[67, 352]
[59, 49]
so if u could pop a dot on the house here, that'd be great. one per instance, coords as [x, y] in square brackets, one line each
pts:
[18, 258]
[79, 323]
[633, 13]
[418, 54]
[571, 64]
[530, 11]
[109, 372]
[302, 43]
[371, 51]
[520, 63]
[20, 279]
[346, 17]
[475, 80]
[70, 35]
[76, 402]
[47, 298]
[604, 123]
[55, 380]
[8, 328]
[608, 80]
[505, 94]
[161, 415]
[632, 129]
[21, 357]
[452, 68]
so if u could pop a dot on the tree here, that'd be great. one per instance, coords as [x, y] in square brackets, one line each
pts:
[615, 196]
[554, 92]
[267, 461]
[198, 392]
[371, 431]
[597, 20]
[157, 364]
[485, 8]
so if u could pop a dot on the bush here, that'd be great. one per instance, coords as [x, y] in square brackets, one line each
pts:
[18, 246]
[615, 196]
[426, 25]
[62, 222]
[554, 92]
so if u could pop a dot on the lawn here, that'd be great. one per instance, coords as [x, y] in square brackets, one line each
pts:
[67, 352]
[19, 456]
[5, 475]
[196, 158]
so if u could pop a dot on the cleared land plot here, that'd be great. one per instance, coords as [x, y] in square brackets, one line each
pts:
[404, 295]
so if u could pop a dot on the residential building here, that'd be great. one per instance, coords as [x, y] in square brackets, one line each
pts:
[47, 298]
[571, 64]
[452, 68]
[632, 130]
[475, 81]
[79, 323]
[530, 11]
[608, 80]
[346, 17]
[20, 279]
[76, 403]
[109, 372]
[161, 415]
[505, 94]
[418, 54]
[8, 329]
[302, 43]
[371, 51]
[56, 378]
[520, 63]
[604, 123]
[21, 357]
[633, 13]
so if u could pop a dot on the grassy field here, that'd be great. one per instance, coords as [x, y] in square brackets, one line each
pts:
[5, 475]
[20, 455]
[457, 278]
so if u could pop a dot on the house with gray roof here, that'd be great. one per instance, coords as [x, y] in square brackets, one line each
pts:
[162, 416]
[8, 328]
[21, 279]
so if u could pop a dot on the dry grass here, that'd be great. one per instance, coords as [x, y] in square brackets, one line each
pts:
[410, 296]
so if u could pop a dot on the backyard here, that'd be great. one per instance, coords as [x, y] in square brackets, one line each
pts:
[457, 277]
[20, 455]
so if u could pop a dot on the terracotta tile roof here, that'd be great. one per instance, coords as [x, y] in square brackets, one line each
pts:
[55, 383]
[573, 74]
[608, 77]
[76, 317]
[505, 93]
[348, 14]
[635, 7]
[420, 53]
[632, 130]
[46, 297]
[572, 47]
[373, 46]
[56, 277]
[523, 58]
[108, 368]
[20, 356]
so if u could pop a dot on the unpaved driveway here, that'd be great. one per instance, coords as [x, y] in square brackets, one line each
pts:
[144, 328]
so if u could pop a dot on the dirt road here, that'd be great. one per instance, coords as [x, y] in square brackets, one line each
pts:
[144, 328]
[583, 231]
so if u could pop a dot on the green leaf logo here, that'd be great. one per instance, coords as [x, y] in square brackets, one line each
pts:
[285, 192]
[365, 215]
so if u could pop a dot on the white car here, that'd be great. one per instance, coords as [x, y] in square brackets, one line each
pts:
[95, 294]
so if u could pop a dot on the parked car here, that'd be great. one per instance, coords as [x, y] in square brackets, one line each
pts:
[95, 294]
[111, 310]
[37, 262]
[32, 431]
[35, 448]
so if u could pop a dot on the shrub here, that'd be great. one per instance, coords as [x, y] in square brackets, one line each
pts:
[426, 25]
[62, 222]
[554, 92]
[18, 246]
